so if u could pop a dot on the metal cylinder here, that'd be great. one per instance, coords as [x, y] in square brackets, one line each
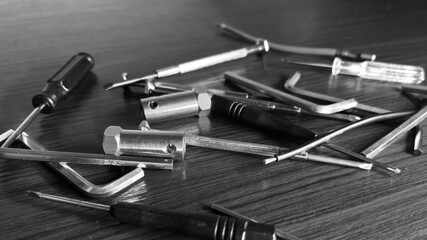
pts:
[118, 141]
[176, 105]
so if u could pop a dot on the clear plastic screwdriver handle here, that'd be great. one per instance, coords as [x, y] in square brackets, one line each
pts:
[379, 71]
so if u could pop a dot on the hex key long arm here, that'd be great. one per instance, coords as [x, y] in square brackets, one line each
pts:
[80, 182]
[288, 98]
[291, 83]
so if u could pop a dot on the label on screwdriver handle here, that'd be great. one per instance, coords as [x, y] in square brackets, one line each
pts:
[64, 81]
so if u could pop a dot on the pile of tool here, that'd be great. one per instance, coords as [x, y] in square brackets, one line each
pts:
[147, 148]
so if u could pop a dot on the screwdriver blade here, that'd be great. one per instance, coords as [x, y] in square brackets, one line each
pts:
[23, 126]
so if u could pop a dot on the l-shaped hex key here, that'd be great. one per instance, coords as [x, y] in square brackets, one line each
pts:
[292, 81]
[288, 98]
[81, 183]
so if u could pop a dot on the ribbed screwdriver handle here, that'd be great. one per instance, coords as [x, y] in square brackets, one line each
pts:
[207, 226]
[64, 81]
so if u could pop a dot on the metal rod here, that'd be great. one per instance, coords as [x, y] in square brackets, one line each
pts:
[290, 85]
[69, 201]
[391, 137]
[261, 46]
[23, 126]
[361, 157]
[418, 141]
[319, 140]
[287, 98]
[85, 158]
[228, 212]
[298, 49]
[266, 150]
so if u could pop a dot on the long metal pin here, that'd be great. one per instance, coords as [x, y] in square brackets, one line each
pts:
[391, 137]
[261, 46]
[319, 140]
[265, 150]
[69, 201]
[86, 158]
[228, 212]
[23, 126]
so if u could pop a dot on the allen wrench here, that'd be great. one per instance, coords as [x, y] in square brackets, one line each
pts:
[288, 98]
[291, 83]
[73, 177]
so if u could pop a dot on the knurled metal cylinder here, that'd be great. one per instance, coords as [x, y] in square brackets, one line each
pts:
[118, 141]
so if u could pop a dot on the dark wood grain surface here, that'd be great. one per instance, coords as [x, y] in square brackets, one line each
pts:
[310, 200]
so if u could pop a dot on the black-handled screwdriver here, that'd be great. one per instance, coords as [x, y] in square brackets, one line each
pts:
[207, 226]
[57, 87]
[259, 119]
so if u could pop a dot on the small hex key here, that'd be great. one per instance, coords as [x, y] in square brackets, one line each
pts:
[288, 98]
[291, 83]
[80, 182]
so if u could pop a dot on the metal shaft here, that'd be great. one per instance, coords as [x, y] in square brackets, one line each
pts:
[85, 158]
[265, 150]
[391, 137]
[69, 201]
[23, 126]
[339, 131]
[261, 46]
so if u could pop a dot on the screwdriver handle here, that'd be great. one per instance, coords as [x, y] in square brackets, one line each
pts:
[208, 226]
[64, 81]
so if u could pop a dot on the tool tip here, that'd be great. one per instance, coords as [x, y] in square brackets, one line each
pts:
[109, 86]
[270, 160]
[395, 170]
[34, 194]
[366, 166]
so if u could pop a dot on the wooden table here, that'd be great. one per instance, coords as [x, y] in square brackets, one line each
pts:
[307, 199]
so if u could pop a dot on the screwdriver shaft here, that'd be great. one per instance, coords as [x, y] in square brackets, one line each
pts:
[266, 150]
[69, 201]
[23, 126]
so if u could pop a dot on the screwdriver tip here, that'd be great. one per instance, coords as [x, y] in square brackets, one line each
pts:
[34, 194]
[109, 86]
[270, 160]
[395, 170]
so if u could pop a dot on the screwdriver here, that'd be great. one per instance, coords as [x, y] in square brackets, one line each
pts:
[57, 87]
[372, 70]
[208, 226]
[260, 47]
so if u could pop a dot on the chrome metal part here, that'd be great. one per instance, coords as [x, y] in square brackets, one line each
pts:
[77, 180]
[177, 105]
[291, 83]
[320, 140]
[292, 110]
[69, 201]
[152, 87]
[134, 142]
[23, 126]
[418, 141]
[392, 136]
[290, 99]
[118, 141]
[261, 47]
